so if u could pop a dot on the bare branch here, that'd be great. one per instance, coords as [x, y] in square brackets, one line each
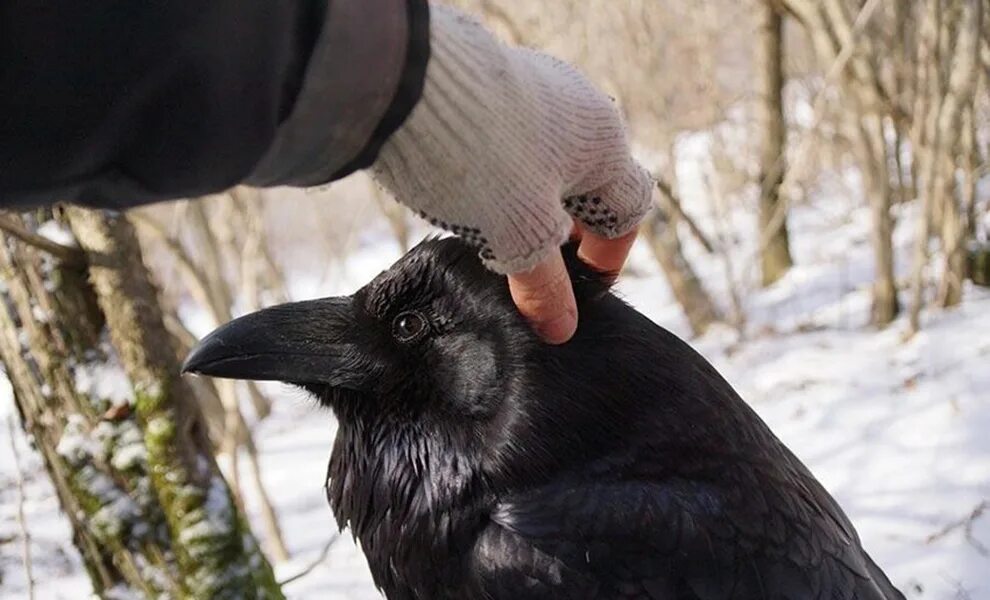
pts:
[197, 278]
[21, 521]
[275, 540]
[966, 524]
[673, 204]
[66, 254]
[319, 559]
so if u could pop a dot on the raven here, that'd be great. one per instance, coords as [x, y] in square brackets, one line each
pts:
[474, 461]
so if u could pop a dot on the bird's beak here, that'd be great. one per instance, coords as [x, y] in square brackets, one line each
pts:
[310, 342]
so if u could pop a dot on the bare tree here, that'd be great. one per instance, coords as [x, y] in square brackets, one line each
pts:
[925, 134]
[835, 32]
[775, 255]
[962, 74]
[660, 231]
[230, 246]
[134, 474]
[949, 74]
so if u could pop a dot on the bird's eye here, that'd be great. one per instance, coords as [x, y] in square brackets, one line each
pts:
[409, 326]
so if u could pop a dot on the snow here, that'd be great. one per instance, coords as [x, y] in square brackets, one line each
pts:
[104, 380]
[57, 570]
[129, 456]
[76, 444]
[216, 520]
[57, 232]
[895, 428]
[121, 592]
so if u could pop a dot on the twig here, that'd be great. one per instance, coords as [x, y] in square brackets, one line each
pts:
[66, 254]
[674, 204]
[319, 559]
[197, 278]
[966, 524]
[725, 253]
[274, 538]
[21, 521]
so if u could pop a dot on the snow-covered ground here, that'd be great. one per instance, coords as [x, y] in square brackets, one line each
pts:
[898, 431]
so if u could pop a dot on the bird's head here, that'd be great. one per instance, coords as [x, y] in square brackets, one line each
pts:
[434, 336]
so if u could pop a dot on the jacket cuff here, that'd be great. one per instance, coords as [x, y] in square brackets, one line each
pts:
[363, 78]
[409, 92]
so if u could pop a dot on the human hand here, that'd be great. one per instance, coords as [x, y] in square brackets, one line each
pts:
[544, 294]
[508, 148]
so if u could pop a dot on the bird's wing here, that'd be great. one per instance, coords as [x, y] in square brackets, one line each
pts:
[677, 540]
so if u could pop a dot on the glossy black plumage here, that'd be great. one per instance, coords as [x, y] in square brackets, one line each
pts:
[473, 461]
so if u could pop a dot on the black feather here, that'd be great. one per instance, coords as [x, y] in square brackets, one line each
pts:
[473, 461]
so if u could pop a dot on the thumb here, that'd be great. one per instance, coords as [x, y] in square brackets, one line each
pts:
[545, 298]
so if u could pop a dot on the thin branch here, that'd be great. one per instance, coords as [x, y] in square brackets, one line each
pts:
[738, 319]
[66, 254]
[21, 521]
[673, 203]
[966, 524]
[319, 559]
[197, 278]
[275, 539]
[187, 339]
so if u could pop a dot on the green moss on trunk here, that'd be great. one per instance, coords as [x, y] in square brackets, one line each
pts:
[120, 514]
[216, 553]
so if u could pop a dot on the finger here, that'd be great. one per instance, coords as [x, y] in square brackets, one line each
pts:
[545, 298]
[604, 254]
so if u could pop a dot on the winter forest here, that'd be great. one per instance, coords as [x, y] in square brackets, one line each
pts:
[821, 235]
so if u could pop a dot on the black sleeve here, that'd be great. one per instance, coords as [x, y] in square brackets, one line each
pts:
[117, 103]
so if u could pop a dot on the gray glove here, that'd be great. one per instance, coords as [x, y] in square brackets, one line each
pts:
[507, 146]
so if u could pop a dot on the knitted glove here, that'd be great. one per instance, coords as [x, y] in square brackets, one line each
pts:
[507, 146]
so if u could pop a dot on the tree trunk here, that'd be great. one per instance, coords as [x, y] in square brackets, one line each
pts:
[925, 141]
[872, 150]
[962, 74]
[971, 166]
[694, 300]
[978, 258]
[834, 35]
[775, 254]
[131, 463]
[51, 347]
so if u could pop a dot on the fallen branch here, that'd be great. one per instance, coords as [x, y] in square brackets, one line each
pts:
[309, 568]
[66, 254]
[966, 524]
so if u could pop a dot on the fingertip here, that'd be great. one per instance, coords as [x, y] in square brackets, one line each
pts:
[545, 298]
[604, 254]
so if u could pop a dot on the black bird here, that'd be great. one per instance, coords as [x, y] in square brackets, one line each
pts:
[474, 461]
